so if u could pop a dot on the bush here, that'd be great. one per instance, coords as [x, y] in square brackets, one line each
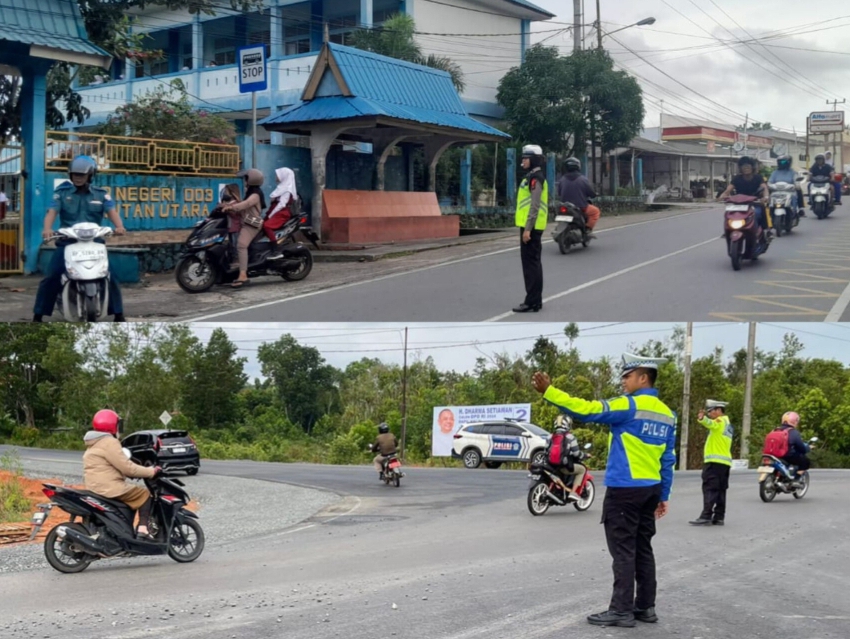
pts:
[345, 450]
[828, 459]
[14, 505]
[599, 439]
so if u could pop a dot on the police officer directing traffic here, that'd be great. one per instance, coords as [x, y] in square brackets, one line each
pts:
[639, 478]
[74, 202]
[717, 462]
[532, 215]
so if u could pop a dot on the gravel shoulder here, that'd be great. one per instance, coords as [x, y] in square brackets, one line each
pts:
[231, 509]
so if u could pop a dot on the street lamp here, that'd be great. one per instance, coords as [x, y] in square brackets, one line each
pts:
[642, 23]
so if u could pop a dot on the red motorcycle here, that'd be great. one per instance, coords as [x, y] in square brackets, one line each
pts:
[745, 238]
[549, 488]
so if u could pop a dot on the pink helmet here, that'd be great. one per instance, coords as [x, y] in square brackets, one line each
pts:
[791, 419]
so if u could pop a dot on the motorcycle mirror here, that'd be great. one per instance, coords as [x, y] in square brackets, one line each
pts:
[813, 439]
[588, 446]
[127, 453]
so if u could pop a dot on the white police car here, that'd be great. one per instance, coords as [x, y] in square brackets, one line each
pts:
[498, 441]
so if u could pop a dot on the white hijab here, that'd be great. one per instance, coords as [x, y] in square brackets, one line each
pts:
[285, 190]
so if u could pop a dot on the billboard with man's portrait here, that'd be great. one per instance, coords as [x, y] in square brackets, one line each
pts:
[449, 419]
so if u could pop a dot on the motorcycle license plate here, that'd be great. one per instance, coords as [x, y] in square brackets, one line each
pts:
[765, 469]
[178, 450]
[85, 253]
[534, 477]
[563, 218]
[738, 207]
[38, 518]
[779, 212]
[394, 465]
[820, 198]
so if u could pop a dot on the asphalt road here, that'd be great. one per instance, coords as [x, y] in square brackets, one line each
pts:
[459, 555]
[671, 269]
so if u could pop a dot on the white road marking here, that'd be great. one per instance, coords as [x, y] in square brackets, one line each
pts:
[839, 307]
[251, 307]
[610, 276]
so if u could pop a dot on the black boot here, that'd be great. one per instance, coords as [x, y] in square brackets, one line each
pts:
[647, 616]
[612, 618]
[700, 522]
[525, 308]
[119, 317]
[37, 318]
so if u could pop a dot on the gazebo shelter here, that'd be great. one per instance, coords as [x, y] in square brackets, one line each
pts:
[359, 96]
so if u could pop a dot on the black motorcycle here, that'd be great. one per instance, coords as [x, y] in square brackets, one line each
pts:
[105, 527]
[210, 253]
[572, 227]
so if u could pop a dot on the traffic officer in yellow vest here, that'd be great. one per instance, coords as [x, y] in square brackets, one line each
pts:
[639, 478]
[532, 215]
[717, 462]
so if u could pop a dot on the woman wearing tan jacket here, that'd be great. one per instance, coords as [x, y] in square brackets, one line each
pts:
[251, 209]
[105, 467]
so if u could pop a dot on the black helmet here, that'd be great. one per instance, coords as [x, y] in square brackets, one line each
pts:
[83, 165]
[383, 428]
[820, 156]
[572, 164]
[784, 162]
[746, 160]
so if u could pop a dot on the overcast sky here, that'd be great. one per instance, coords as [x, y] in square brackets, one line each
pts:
[457, 346]
[729, 77]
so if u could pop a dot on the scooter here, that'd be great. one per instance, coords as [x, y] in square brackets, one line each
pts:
[572, 227]
[548, 488]
[745, 238]
[775, 477]
[821, 196]
[85, 282]
[782, 210]
[209, 254]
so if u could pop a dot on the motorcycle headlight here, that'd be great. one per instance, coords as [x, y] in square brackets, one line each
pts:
[737, 224]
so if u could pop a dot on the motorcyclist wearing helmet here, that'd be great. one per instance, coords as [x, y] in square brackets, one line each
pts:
[532, 215]
[75, 201]
[822, 168]
[386, 444]
[251, 208]
[784, 173]
[749, 182]
[105, 467]
[797, 448]
[575, 188]
[571, 455]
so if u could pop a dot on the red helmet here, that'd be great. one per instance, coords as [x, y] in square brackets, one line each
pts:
[106, 421]
[791, 418]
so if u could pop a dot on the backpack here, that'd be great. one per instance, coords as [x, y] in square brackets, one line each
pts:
[556, 450]
[776, 443]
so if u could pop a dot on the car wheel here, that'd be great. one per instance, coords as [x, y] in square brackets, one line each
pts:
[192, 471]
[471, 458]
[538, 458]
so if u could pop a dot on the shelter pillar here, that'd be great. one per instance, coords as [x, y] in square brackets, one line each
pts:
[382, 146]
[321, 139]
[434, 149]
[711, 189]
[466, 180]
[34, 107]
[511, 176]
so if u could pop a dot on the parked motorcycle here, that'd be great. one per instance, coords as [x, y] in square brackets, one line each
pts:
[391, 469]
[745, 238]
[548, 488]
[821, 196]
[775, 477]
[784, 214]
[105, 527]
[85, 282]
[572, 227]
[210, 253]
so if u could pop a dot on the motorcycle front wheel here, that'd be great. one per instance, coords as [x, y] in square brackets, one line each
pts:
[186, 542]
[58, 551]
[586, 500]
[537, 502]
[767, 489]
[801, 492]
[92, 310]
[735, 250]
[195, 275]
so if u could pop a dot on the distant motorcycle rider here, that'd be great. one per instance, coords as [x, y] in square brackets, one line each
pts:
[797, 448]
[821, 168]
[784, 173]
[570, 453]
[575, 188]
[748, 182]
[386, 444]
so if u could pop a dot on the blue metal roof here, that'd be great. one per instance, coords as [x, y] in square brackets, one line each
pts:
[50, 23]
[533, 7]
[383, 86]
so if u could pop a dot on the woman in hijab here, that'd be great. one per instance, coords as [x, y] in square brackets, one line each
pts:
[283, 198]
[251, 211]
[230, 195]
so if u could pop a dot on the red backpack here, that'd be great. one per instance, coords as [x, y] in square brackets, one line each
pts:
[556, 449]
[776, 443]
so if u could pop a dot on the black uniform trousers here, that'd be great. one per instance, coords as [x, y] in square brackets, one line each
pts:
[629, 518]
[531, 253]
[715, 482]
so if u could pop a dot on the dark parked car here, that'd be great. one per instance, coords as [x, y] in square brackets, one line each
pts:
[171, 449]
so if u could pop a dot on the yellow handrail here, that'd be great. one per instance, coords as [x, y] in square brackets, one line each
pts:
[116, 154]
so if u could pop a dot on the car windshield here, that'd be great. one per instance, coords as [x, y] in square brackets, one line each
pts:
[536, 430]
[175, 438]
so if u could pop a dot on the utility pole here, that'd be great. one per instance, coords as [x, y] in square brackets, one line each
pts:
[686, 399]
[748, 393]
[404, 398]
[576, 25]
[835, 104]
[598, 25]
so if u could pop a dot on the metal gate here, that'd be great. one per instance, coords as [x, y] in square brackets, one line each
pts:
[11, 210]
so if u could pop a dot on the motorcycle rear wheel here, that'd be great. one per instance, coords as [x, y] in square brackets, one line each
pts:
[801, 492]
[587, 497]
[179, 539]
[767, 489]
[564, 243]
[70, 561]
[302, 271]
[537, 504]
[190, 283]
[397, 481]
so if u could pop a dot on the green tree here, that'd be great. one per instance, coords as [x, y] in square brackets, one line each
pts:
[210, 393]
[396, 38]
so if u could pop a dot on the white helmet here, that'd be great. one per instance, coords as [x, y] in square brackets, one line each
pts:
[531, 150]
